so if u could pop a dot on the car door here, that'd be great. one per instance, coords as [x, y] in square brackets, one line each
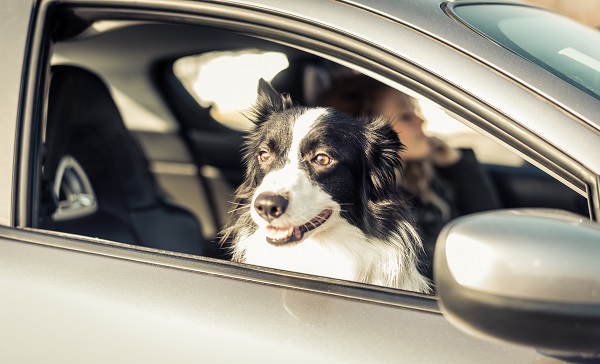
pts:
[72, 297]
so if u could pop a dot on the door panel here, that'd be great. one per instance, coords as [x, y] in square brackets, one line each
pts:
[87, 302]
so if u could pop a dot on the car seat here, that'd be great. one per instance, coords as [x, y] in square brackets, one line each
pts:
[95, 178]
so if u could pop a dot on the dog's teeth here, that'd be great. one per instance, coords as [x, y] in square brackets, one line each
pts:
[275, 233]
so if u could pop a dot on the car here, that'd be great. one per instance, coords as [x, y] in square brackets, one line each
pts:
[120, 155]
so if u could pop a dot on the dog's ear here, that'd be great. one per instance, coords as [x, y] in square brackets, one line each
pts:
[268, 101]
[384, 163]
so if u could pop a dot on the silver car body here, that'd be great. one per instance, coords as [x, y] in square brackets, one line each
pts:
[73, 299]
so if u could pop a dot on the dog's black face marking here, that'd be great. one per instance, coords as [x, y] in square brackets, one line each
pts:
[369, 151]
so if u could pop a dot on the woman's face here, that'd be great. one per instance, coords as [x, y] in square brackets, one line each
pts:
[407, 123]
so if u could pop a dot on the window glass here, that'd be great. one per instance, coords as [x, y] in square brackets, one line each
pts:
[562, 46]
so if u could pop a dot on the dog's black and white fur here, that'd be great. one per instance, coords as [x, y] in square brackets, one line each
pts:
[320, 197]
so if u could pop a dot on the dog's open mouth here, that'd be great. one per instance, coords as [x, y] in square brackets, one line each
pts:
[279, 235]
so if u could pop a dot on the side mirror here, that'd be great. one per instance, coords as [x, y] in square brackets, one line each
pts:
[530, 277]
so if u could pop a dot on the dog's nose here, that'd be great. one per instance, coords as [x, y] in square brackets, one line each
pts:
[270, 205]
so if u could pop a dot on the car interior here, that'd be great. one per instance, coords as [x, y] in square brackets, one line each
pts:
[91, 153]
[131, 156]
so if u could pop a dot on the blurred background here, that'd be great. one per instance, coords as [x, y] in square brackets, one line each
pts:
[585, 11]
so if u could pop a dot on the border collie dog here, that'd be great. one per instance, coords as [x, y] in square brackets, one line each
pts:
[320, 197]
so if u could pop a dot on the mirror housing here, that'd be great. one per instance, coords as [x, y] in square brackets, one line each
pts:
[530, 277]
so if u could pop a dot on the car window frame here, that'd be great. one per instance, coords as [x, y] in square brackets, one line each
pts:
[327, 43]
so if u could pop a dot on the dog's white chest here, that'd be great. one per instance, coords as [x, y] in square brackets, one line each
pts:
[311, 256]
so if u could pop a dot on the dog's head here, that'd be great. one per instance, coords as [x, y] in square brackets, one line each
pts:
[308, 167]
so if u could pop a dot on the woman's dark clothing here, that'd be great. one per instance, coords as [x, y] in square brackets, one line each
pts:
[465, 188]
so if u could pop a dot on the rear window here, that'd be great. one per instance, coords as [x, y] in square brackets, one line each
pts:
[562, 46]
[205, 77]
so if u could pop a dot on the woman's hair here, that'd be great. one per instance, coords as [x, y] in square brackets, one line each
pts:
[360, 96]
[357, 95]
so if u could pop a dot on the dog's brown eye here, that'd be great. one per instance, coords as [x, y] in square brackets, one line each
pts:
[264, 156]
[322, 159]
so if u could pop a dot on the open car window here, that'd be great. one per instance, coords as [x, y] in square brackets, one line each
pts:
[141, 150]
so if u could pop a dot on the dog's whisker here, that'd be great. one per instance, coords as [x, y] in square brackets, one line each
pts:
[239, 208]
[235, 210]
